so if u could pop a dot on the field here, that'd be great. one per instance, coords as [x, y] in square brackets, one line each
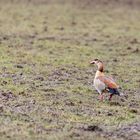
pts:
[46, 81]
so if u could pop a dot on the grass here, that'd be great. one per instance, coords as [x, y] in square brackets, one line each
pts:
[46, 80]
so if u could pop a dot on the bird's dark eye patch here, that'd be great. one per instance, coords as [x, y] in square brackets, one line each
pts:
[96, 59]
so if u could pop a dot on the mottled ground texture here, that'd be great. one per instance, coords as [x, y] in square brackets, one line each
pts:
[46, 90]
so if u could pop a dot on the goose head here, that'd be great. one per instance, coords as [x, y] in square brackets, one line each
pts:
[99, 64]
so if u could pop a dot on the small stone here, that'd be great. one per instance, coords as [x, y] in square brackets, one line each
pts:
[93, 128]
[133, 110]
[129, 48]
[109, 114]
[19, 66]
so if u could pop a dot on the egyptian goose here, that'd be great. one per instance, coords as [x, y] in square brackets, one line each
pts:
[103, 83]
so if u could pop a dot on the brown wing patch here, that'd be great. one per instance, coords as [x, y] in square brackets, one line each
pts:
[109, 82]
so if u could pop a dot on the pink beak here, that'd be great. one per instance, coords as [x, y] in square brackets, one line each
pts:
[92, 62]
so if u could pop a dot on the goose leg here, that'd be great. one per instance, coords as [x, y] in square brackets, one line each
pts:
[101, 97]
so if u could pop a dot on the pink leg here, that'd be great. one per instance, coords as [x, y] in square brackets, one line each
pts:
[101, 97]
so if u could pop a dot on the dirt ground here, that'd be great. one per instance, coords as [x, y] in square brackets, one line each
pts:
[46, 81]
